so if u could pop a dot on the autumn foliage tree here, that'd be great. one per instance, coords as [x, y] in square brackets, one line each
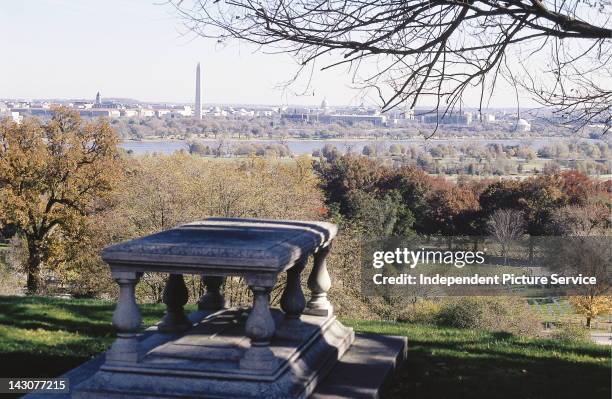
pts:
[52, 176]
[451, 211]
[591, 306]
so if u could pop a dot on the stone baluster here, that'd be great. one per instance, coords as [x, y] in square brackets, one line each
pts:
[175, 297]
[212, 299]
[260, 330]
[293, 303]
[126, 319]
[319, 284]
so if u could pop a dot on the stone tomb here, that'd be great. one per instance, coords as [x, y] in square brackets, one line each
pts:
[254, 352]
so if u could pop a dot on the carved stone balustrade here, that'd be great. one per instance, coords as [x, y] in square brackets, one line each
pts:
[254, 352]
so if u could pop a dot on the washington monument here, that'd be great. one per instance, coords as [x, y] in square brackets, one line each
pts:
[198, 98]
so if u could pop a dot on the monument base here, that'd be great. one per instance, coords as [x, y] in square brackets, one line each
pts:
[204, 362]
[364, 371]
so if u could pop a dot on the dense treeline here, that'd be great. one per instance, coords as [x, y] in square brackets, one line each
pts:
[66, 192]
[494, 158]
[408, 199]
[246, 126]
[371, 201]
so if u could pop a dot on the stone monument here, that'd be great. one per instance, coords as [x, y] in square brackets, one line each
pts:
[255, 352]
[300, 350]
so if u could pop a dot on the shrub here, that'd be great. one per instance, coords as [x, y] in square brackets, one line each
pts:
[425, 312]
[12, 261]
[492, 314]
[463, 313]
[570, 333]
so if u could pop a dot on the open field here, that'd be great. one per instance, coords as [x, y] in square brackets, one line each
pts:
[559, 310]
[47, 336]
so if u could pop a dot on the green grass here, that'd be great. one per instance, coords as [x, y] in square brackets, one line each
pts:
[559, 310]
[452, 363]
[55, 334]
[44, 337]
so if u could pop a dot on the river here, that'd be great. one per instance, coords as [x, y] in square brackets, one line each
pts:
[299, 147]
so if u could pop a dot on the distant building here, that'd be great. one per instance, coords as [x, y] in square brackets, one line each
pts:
[100, 112]
[128, 113]
[241, 112]
[488, 118]
[300, 117]
[462, 119]
[146, 112]
[325, 107]
[83, 104]
[98, 102]
[44, 112]
[408, 114]
[265, 112]
[42, 104]
[316, 115]
[376, 120]
[523, 126]
[216, 111]
[161, 112]
[184, 111]
[14, 116]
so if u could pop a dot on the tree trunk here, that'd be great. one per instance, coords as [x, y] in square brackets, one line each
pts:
[530, 250]
[34, 282]
[588, 322]
[34, 266]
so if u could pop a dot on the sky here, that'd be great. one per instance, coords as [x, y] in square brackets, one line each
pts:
[137, 49]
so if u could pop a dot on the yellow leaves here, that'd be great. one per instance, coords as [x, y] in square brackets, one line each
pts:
[163, 191]
[592, 305]
[53, 174]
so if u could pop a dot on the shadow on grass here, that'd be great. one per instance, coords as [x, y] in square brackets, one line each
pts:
[32, 328]
[450, 363]
[90, 317]
[458, 370]
[27, 364]
[430, 375]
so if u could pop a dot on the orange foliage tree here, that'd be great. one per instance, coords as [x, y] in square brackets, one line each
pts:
[52, 176]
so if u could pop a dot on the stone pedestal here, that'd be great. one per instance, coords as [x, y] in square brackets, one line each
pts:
[257, 352]
[209, 361]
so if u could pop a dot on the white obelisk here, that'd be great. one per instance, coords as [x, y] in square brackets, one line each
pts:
[198, 98]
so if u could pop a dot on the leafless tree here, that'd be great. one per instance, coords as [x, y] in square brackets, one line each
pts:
[506, 226]
[408, 50]
[221, 146]
[589, 220]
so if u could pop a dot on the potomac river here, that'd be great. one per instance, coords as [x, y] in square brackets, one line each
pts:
[299, 147]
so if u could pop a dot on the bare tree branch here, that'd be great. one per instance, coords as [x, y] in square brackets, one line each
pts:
[440, 49]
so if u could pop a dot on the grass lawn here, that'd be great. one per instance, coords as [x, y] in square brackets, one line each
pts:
[559, 310]
[44, 337]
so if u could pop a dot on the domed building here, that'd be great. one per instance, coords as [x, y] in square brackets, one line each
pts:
[325, 106]
[523, 126]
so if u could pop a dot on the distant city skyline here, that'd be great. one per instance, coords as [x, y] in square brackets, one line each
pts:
[59, 49]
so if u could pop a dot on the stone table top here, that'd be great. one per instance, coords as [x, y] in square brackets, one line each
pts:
[222, 246]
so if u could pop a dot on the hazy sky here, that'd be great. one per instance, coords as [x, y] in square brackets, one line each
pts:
[72, 49]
